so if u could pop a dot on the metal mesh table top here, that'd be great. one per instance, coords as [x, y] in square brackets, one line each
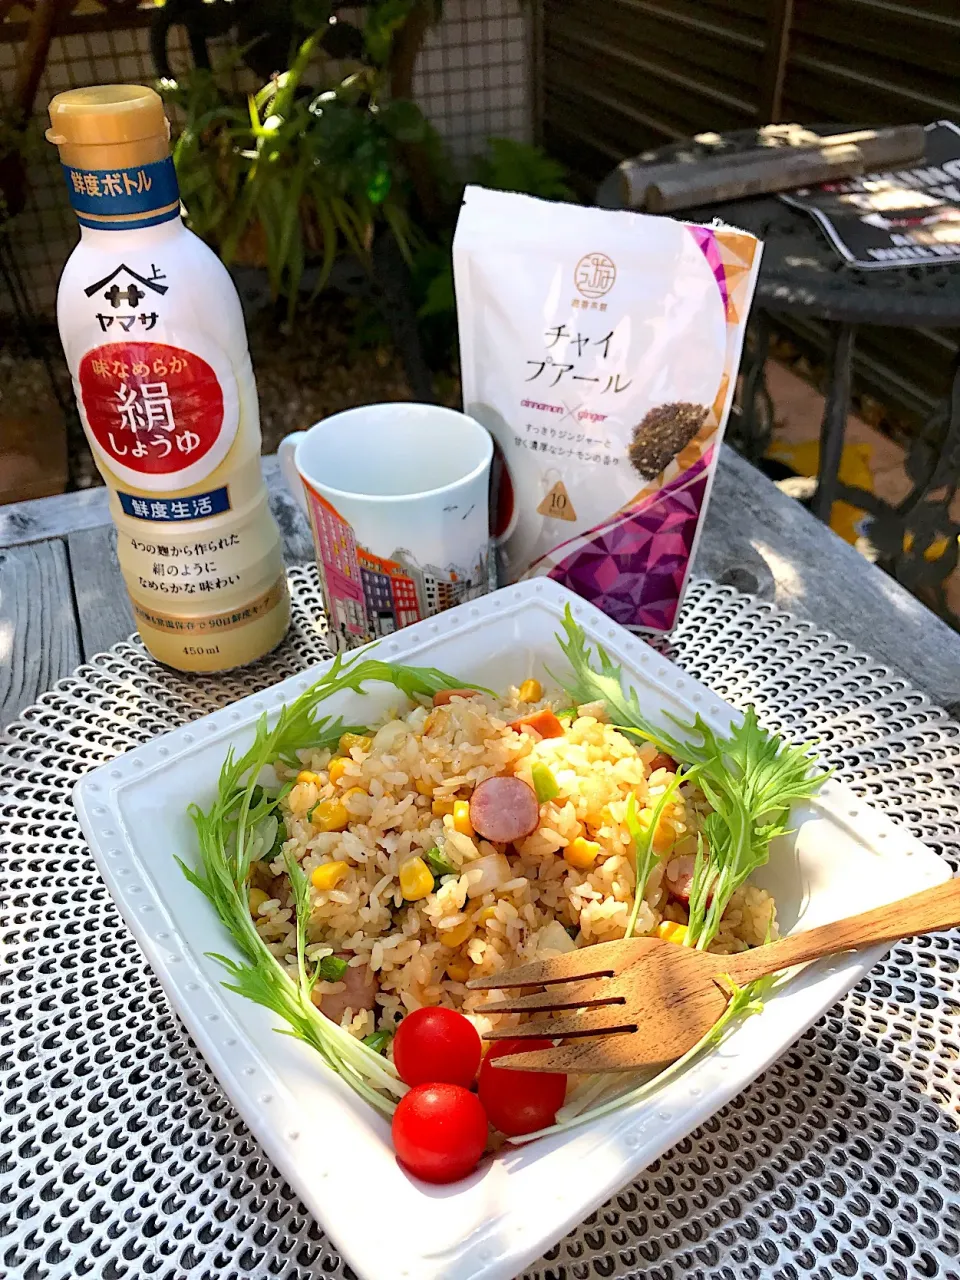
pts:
[121, 1157]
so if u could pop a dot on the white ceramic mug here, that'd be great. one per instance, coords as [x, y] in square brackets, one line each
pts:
[397, 496]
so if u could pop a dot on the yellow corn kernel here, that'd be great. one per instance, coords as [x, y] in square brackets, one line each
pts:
[670, 931]
[665, 836]
[459, 970]
[338, 768]
[328, 876]
[458, 935]
[307, 775]
[461, 817]
[440, 808]
[425, 788]
[530, 691]
[256, 898]
[329, 815]
[416, 880]
[485, 914]
[350, 740]
[581, 853]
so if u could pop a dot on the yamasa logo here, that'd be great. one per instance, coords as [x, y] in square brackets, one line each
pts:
[594, 275]
[155, 410]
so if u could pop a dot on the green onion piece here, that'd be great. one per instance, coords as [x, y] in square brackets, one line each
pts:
[378, 1041]
[438, 863]
[280, 840]
[331, 968]
[544, 783]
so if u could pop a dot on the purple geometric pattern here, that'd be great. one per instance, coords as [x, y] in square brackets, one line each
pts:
[707, 243]
[635, 568]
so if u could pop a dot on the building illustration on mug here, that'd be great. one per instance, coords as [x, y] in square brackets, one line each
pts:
[370, 596]
[389, 594]
[339, 564]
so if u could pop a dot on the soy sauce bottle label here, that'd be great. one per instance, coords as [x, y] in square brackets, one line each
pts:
[116, 199]
[164, 416]
[154, 337]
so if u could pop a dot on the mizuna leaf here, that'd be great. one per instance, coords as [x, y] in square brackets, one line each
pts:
[750, 778]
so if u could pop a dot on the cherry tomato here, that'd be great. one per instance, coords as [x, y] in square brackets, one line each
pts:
[519, 1101]
[436, 1045]
[439, 1132]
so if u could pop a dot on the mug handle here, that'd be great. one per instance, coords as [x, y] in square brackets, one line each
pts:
[286, 454]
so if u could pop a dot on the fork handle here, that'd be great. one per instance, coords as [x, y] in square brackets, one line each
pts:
[924, 912]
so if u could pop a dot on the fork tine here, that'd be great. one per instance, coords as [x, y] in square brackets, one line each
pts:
[597, 1053]
[600, 1021]
[567, 995]
[591, 962]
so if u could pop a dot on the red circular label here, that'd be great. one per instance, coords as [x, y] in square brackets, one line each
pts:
[151, 407]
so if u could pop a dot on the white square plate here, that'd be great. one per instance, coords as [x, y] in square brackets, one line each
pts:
[844, 857]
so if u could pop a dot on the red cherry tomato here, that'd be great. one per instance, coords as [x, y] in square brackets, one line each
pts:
[434, 1045]
[519, 1101]
[439, 1132]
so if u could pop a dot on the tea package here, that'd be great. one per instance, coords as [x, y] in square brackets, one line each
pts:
[600, 348]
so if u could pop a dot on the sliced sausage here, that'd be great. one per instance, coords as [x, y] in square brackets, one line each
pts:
[662, 761]
[443, 696]
[504, 809]
[359, 991]
[543, 722]
[678, 877]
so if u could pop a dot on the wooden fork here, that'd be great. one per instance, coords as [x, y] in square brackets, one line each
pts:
[645, 1002]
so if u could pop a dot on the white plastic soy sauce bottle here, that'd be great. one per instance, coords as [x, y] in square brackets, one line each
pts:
[154, 337]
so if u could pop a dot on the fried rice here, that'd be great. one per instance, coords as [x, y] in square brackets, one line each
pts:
[494, 912]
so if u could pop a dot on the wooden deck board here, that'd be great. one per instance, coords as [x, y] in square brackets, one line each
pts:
[39, 640]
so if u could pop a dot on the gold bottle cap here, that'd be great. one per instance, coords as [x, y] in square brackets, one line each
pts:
[107, 114]
[115, 152]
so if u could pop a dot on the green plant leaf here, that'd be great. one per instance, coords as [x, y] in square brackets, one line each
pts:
[399, 224]
[287, 173]
[378, 188]
[517, 166]
[384, 20]
[440, 299]
[328, 228]
[403, 120]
